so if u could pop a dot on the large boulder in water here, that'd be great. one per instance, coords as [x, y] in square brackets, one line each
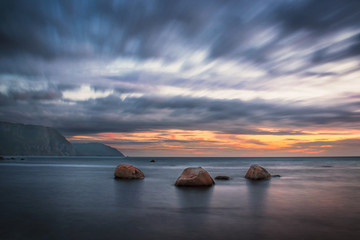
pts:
[126, 171]
[257, 172]
[194, 176]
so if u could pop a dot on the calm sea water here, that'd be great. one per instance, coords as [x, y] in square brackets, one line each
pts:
[78, 198]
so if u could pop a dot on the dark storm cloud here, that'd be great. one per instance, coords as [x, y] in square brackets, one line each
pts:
[32, 95]
[188, 141]
[46, 41]
[254, 131]
[318, 19]
[326, 55]
[323, 74]
[150, 29]
[256, 142]
[318, 16]
[32, 27]
[145, 21]
[54, 29]
[206, 114]
[65, 28]
[111, 114]
[250, 111]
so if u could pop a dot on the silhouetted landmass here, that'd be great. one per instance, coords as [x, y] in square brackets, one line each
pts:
[21, 140]
[95, 149]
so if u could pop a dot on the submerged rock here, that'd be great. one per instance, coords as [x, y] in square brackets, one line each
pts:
[126, 171]
[222, 177]
[152, 160]
[276, 175]
[194, 176]
[257, 172]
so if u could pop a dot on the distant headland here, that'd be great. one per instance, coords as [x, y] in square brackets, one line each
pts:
[34, 140]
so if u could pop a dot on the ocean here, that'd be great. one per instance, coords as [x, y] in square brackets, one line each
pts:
[78, 198]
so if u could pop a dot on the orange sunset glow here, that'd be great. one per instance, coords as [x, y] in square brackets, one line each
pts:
[212, 143]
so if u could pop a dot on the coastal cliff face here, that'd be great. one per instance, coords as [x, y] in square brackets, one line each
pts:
[20, 139]
[27, 140]
[95, 149]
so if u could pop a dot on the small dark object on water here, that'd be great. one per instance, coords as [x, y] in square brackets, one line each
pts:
[222, 178]
[12, 158]
[22, 159]
[276, 175]
[2, 158]
[152, 160]
[326, 166]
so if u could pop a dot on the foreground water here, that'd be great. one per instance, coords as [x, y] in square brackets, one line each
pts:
[78, 198]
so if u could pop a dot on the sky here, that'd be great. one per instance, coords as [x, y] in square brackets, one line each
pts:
[186, 78]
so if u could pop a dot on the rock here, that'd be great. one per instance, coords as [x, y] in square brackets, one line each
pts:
[222, 177]
[276, 175]
[12, 158]
[22, 159]
[194, 176]
[257, 172]
[152, 160]
[2, 158]
[126, 171]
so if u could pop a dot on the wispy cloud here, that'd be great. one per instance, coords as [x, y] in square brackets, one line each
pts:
[261, 68]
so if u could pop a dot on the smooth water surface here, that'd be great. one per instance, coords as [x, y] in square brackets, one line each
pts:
[78, 198]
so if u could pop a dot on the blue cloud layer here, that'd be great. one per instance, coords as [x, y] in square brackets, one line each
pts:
[232, 66]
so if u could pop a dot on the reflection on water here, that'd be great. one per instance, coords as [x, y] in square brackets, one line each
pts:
[257, 196]
[193, 206]
[73, 199]
[197, 198]
[128, 192]
[257, 203]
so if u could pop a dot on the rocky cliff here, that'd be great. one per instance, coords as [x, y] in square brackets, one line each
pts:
[95, 149]
[27, 140]
[20, 139]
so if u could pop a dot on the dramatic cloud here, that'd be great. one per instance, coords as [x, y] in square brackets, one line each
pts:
[94, 113]
[262, 68]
